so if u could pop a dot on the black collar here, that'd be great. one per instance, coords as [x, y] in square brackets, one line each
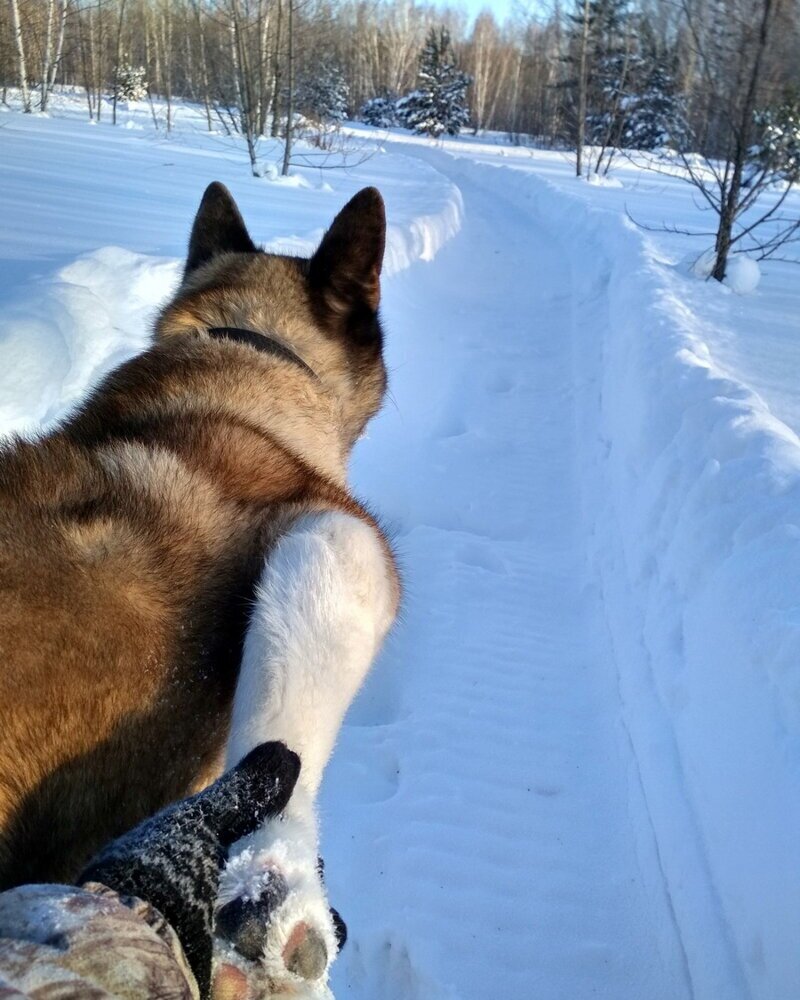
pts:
[261, 342]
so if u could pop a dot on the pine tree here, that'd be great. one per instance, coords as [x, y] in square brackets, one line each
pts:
[657, 115]
[614, 63]
[777, 151]
[324, 96]
[380, 112]
[130, 83]
[604, 63]
[439, 104]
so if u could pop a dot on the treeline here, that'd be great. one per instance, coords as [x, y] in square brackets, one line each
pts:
[573, 72]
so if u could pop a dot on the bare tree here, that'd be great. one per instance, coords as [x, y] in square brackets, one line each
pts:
[535, 76]
[21, 60]
[583, 77]
[732, 56]
[117, 61]
[287, 142]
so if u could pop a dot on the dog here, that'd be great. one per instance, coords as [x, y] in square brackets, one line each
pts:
[194, 510]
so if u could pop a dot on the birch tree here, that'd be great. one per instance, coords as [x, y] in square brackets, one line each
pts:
[22, 64]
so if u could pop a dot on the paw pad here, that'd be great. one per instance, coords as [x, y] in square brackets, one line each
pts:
[244, 922]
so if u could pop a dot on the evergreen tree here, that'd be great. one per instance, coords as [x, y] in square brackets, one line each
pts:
[604, 65]
[324, 95]
[380, 112]
[130, 83]
[657, 116]
[439, 104]
[777, 151]
[614, 64]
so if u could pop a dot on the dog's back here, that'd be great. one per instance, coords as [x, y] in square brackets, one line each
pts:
[130, 540]
[126, 574]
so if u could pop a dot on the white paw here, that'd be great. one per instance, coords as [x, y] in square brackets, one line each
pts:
[273, 922]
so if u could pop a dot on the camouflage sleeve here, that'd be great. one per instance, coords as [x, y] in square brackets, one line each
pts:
[62, 943]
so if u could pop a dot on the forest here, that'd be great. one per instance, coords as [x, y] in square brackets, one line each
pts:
[719, 79]
[525, 75]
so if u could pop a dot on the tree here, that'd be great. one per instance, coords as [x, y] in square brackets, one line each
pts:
[131, 83]
[439, 103]
[777, 151]
[603, 54]
[581, 20]
[380, 112]
[733, 60]
[490, 63]
[625, 70]
[657, 115]
[323, 94]
[51, 59]
[287, 141]
[22, 67]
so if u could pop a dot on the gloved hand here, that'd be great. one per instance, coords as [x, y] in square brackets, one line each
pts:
[173, 860]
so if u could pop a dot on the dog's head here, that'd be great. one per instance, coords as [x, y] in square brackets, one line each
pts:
[325, 309]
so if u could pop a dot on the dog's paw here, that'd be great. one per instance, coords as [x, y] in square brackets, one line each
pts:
[275, 934]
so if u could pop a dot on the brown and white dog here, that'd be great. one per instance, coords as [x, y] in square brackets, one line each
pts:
[189, 528]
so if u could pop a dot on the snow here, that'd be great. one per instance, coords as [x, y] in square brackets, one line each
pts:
[82, 310]
[575, 770]
[703, 266]
[598, 180]
[742, 275]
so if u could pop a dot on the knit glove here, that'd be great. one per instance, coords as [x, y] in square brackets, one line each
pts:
[173, 860]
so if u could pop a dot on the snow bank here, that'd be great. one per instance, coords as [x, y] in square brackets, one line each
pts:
[697, 494]
[93, 315]
[98, 311]
[693, 492]
[435, 219]
[426, 233]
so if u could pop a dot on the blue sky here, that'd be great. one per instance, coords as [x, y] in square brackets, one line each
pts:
[500, 8]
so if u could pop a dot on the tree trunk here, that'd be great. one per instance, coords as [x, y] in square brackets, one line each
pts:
[22, 66]
[245, 87]
[203, 65]
[117, 61]
[287, 146]
[234, 42]
[48, 44]
[59, 47]
[263, 66]
[582, 87]
[187, 50]
[97, 50]
[277, 79]
[167, 47]
[730, 207]
[84, 64]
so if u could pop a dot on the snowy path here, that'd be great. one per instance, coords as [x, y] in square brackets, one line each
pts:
[576, 771]
[506, 847]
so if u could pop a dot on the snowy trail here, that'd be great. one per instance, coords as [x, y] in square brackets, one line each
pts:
[576, 770]
[506, 846]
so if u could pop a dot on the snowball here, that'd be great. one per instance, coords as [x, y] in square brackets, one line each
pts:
[742, 274]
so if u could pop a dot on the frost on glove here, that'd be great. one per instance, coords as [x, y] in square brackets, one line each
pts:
[174, 859]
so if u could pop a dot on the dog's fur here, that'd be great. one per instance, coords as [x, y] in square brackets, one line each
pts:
[132, 537]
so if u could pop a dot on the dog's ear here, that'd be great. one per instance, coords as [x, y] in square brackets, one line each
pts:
[344, 273]
[218, 228]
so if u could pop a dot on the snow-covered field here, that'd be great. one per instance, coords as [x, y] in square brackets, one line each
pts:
[575, 772]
